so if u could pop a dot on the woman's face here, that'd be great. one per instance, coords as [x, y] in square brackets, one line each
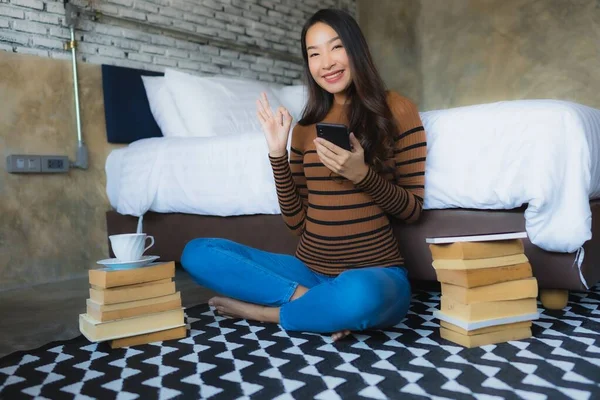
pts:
[327, 59]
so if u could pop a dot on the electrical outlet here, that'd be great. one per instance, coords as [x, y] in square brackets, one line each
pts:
[55, 164]
[31, 164]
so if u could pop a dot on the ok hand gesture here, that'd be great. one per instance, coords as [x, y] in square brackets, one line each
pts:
[276, 126]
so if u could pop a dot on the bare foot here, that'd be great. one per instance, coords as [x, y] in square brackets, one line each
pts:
[234, 308]
[238, 309]
[340, 335]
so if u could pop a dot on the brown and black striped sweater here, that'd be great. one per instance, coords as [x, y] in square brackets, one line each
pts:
[345, 225]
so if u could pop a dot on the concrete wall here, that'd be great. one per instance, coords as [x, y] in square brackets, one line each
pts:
[51, 226]
[477, 51]
[391, 30]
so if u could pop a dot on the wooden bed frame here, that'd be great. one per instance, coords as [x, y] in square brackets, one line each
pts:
[556, 272]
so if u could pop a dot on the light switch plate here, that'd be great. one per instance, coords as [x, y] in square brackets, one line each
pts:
[23, 164]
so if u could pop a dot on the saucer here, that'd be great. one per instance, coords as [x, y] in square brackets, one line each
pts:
[115, 263]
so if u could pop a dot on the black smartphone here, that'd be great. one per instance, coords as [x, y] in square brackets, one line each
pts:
[335, 133]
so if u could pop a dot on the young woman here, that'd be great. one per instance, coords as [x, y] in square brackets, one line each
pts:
[347, 273]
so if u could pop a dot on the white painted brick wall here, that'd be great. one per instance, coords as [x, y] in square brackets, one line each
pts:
[38, 27]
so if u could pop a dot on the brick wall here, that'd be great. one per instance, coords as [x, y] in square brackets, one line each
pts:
[38, 27]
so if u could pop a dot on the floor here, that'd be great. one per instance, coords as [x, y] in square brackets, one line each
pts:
[232, 359]
[40, 314]
[44, 313]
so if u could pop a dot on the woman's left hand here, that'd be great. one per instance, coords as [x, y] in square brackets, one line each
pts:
[349, 164]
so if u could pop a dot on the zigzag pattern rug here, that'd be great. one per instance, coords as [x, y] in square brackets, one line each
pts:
[230, 359]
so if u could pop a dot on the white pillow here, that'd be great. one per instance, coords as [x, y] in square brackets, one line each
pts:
[163, 107]
[294, 98]
[213, 105]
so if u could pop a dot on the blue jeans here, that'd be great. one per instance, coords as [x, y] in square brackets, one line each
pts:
[359, 299]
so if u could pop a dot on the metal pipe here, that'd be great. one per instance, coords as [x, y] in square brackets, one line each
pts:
[81, 155]
[75, 86]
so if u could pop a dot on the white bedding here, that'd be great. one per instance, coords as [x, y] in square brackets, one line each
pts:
[503, 155]
[492, 156]
[221, 175]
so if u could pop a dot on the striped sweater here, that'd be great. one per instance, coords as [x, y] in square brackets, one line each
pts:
[343, 225]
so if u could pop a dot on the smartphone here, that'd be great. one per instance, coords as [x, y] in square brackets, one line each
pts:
[335, 133]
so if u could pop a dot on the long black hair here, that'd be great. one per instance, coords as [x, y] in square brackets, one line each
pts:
[368, 113]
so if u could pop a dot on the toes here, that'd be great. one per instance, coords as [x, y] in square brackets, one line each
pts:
[217, 301]
[213, 301]
[340, 335]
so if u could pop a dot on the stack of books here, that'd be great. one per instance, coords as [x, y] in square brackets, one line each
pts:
[489, 294]
[129, 307]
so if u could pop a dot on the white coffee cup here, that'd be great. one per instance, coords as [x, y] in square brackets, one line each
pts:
[130, 246]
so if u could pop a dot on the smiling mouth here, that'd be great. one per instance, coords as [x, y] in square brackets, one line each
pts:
[333, 76]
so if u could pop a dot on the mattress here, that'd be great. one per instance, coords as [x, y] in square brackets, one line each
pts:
[504, 155]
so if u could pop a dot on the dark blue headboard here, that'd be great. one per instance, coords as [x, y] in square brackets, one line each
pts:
[126, 109]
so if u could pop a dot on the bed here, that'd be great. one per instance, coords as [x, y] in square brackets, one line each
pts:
[190, 186]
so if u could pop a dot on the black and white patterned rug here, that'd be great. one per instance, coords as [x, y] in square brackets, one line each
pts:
[231, 359]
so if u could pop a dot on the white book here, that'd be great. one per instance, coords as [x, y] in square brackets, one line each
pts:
[477, 238]
[472, 325]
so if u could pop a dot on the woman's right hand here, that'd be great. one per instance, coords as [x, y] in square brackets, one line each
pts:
[276, 126]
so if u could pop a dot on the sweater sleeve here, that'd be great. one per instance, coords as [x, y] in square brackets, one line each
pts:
[290, 184]
[403, 198]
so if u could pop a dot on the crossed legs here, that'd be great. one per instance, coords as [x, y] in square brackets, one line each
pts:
[279, 288]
